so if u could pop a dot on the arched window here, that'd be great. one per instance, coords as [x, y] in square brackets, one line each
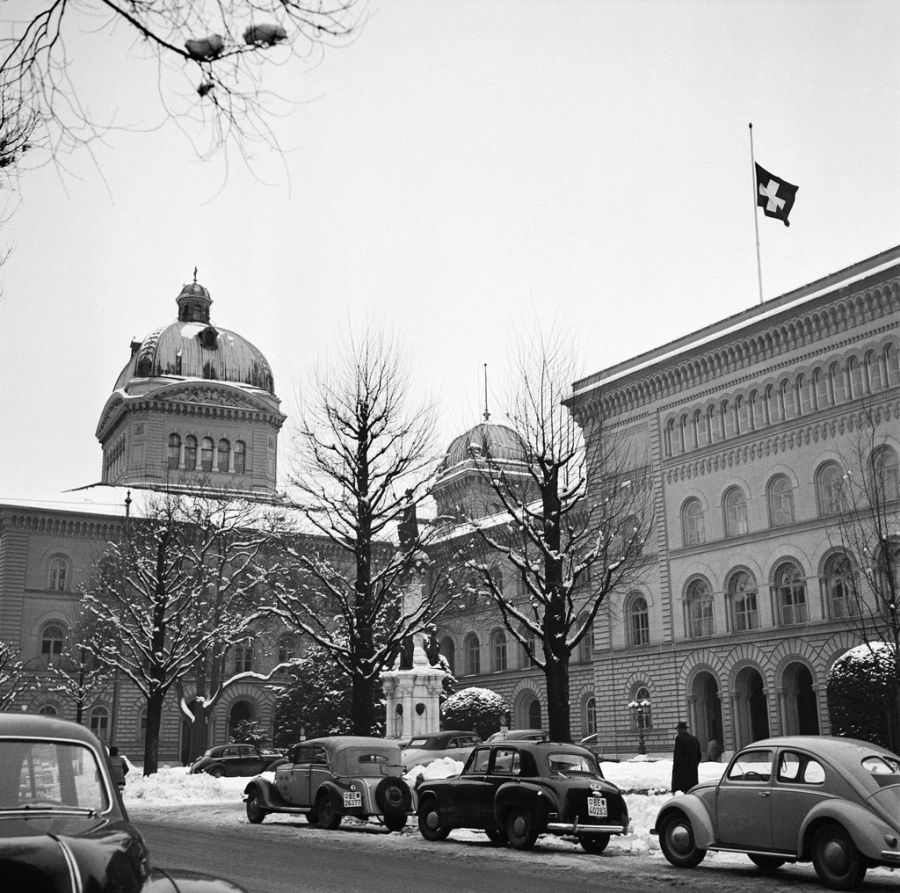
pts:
[693, 528]
[53, 637]
[534, 714]
[240, 457]
[243, 658]
[790, 594]
[58, 574]
[735, 506]
[174, 455]
[885, 473]
[473, 654]
[830, 488]
[448, 649]
[699, 610]
[223, 456]
[589, 721]
[642, 715]
[630, 535]
[744, 607]
[206, 454]
[287, 649]
[839, 588]
[498, 651]
[638, 621]
[526, 659]
[99, 723]
[190, 452]
[48, 710]
[780, 496]
[586, 645]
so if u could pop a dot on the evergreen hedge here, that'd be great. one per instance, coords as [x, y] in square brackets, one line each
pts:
[860, 693]
[477, 709]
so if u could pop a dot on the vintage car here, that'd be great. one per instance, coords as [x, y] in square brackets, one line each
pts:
[326, 779]
[457, 745]
[835, 801]
[235, 760]
[516, 790]
[62, 823]
[518, 735]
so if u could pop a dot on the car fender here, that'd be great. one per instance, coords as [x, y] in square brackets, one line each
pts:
[267, 793]
[867, 830]
[333, 789]
[696, 812]
[532, 796]
[182, 881]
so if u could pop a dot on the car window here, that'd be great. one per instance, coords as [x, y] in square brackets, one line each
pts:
[569, 763]
[230, 752]
[319, 756]
[507, 761]
[879, 765]
[478, 762]
[369, 758]
[751, 766]
[799, 768]
[417, 742]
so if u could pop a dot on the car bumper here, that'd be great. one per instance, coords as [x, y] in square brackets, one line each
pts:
[890, 857]
[576, 828]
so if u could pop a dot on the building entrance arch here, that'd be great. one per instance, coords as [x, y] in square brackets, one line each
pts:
[707, 708]
[241, 711]
[751, 707]
[801, 708]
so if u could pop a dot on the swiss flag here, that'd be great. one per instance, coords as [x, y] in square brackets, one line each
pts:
[774, 195]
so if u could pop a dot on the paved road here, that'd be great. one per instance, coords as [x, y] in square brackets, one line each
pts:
[285, 855]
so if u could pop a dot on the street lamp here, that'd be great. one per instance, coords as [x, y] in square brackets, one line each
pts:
[640, 710]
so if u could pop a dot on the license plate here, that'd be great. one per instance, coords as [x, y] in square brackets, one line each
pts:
[597, 807]
[354, 798]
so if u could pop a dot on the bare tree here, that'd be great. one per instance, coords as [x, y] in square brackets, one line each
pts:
[863, 578]
[171, 595]
[210, 58]
[14, 679]
[567, 548]
[364, 456]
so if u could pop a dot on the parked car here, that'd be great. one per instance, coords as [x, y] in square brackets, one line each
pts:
[326, 779]
[835, 801]
[62, 822]
[516, 790]
[519, 735]
[454, 744]
[235, 759]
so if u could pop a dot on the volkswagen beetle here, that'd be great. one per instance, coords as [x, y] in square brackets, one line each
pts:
[326, 779]
[834, 801]
[62, 823]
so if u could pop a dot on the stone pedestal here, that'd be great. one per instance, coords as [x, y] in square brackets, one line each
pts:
[412, 697]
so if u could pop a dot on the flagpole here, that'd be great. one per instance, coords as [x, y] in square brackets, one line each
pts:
[755, 215]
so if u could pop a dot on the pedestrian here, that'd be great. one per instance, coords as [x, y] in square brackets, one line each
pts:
[713, 751]
[685, 759]
[119, 766]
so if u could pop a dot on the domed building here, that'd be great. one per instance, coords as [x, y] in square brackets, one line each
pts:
[195, 406]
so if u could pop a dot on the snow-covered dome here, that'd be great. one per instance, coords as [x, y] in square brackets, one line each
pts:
[487, 439]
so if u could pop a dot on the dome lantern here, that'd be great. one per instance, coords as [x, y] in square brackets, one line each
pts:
[193, 302]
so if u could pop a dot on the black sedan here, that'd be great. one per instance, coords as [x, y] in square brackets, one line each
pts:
[62, 823]
[516, 790]
[229, 760]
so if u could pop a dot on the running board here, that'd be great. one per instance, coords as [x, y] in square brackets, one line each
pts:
[773, 853]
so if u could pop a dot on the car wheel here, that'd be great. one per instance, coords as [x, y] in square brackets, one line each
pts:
[497, 836]
[430, 826]
[766, 863]
[395, 821]
[255, 812]
[837, 861]
[521, 828]
[217, 772]
[392, 795]
[676, 840]
[312, 817]
[593, 843]
[329, 812]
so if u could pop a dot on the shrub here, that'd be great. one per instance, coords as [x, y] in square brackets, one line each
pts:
[861, 693]
[478, 709]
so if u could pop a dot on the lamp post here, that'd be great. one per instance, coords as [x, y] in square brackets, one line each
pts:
[639, 711]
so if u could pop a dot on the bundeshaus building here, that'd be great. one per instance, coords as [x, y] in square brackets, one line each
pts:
[744, 428]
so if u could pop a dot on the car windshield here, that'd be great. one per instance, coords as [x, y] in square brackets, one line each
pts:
[418, 742]
[50, 774]
[570, 763]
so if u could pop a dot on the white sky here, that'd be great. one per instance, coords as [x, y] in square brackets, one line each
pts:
[460, 172]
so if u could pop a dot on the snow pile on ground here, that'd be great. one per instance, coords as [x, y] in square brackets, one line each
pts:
[645, 783]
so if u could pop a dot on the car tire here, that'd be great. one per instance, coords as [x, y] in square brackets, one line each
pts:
[593, 843]
[217, 772]
[393, 795]
[312, 817]
[329, 811]
[838, 863]
[255, 812]
[676, 840]
[497, 836]
[430, 826]
[521, 828]
[766, 864]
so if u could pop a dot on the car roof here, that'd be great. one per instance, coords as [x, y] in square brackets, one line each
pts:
[825, 745]
[540, 746]
[30, 725]
[337, 742]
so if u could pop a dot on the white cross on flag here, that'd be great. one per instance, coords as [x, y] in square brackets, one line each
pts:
[774, 195]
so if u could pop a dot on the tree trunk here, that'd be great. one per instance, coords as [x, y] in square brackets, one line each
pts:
[363, 706]
[556, 675]
[199, 735]
[151, 741]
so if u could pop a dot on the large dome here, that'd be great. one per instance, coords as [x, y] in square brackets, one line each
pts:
[191, 347]
[487, 439]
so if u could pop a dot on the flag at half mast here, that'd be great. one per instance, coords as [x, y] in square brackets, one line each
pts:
[774, 195]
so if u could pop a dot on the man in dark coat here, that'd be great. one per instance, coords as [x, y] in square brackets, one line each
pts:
[685, 759]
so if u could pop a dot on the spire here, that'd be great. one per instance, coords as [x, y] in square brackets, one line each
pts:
[487, 412]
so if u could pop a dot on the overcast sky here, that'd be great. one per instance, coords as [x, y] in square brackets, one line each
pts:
[461, 172]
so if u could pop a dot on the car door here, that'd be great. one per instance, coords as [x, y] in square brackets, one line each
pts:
[471, 799]
[293, 783]
[231, 760]
[799, 786]
[744, 801]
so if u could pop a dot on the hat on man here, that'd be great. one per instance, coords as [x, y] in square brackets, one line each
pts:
[682, 727]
